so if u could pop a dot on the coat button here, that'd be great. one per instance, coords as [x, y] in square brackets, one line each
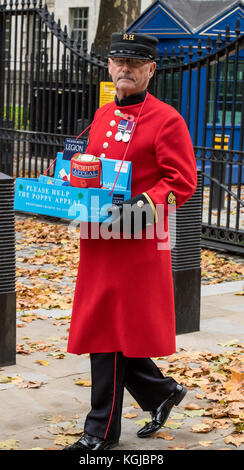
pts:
[105, 145]
[112, 123]
[140, 203]
[117, 112]
[102, 155]
[109, 133]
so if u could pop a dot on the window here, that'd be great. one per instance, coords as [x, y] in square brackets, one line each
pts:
[79, 23]
[225, 88]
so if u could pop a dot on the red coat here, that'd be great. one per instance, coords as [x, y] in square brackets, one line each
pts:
[124, 297]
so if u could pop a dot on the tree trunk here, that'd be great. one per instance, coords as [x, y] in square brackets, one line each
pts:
[115, 16]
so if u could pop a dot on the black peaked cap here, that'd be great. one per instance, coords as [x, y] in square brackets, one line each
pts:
[134, 45]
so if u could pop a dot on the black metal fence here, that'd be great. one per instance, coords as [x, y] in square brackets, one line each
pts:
[50, 86]
[209, 93]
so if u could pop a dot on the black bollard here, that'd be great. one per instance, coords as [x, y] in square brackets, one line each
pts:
[7, 272]
[186, 262]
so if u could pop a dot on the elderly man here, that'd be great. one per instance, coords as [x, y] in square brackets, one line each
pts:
[123, 311]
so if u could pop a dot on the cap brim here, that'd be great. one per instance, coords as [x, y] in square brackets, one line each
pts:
[130, 55]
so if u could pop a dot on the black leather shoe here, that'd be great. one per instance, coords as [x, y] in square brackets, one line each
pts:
[160, 416]
[87, 442]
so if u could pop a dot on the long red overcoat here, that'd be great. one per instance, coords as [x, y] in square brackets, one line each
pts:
[124, 297]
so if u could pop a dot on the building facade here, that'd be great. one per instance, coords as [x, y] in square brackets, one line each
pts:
[81, 16]
[180, 24]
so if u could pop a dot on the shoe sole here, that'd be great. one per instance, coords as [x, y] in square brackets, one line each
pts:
[177, 399]
[110, 446]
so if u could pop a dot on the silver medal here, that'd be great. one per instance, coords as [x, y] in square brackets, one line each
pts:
[126, 137]
[118, 136]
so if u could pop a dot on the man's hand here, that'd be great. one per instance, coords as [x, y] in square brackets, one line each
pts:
[132, 215]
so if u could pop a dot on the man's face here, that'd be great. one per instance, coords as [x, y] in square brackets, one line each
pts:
[130, 76]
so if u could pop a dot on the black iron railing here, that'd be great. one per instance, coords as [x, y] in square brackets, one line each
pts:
[50, 86]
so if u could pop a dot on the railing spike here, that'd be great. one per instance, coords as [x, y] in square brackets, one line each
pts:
[99, 52]
[105, 53]
[199, 48]
[219, 41]
[227, 34]
[85, 46]
[238, 27]
[190, 52]
[209, 44]
[78, 43]
[59, 26]
[182, 54]
[165, 58]
[93, 50]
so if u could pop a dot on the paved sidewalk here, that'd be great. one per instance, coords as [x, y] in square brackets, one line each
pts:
[36, 417]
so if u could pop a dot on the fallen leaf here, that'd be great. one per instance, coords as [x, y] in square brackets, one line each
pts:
[180, 447]
[236, 381]
[205, 443]
[142, 422]
[20, 349]
[235, 439]
[9, 444]
[42, 362]
[172, 424]
[199, 396]
[192, 413]
[202, 427]
[30, 384]
[192, 406]
[178, 416]
[232, 342]
[135, 405]
[240, 426]
[84, 383]
[68, 429]
[57, 355]
[164, 435]
[65, 440]
[130, 415]
[4, 379]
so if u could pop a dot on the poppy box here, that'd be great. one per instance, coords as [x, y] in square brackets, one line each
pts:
[54, 196]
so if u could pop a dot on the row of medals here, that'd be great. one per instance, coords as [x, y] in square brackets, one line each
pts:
[125, 126]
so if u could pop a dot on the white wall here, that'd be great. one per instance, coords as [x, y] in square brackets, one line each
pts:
[61, 11]
[145, 4]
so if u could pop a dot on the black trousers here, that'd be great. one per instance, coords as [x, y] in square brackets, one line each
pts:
[110, 373]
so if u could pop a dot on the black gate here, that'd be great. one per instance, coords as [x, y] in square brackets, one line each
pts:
[49, 90]
[209, 93]
[49, 87]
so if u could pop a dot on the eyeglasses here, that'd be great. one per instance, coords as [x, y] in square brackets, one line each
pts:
[120, 61]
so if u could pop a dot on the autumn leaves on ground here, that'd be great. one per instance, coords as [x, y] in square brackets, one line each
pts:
[47, 257]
